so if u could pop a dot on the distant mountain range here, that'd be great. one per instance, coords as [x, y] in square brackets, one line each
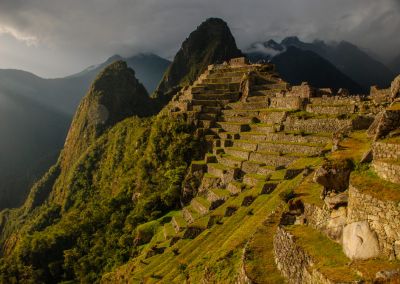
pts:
[296, 66]
[35, 114]
[350, 60]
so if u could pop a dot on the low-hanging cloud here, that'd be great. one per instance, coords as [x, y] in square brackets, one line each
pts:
[92, 29]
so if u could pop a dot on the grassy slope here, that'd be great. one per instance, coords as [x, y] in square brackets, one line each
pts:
[215, 254]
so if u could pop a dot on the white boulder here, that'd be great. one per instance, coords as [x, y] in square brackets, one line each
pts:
[359, 242]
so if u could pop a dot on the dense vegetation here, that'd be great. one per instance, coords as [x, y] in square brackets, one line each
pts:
[131, 175]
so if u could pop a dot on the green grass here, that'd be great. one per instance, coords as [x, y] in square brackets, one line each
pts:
[221, 192]
[305, 162]
[369, 183]
[234, 158]
[201, 222]
[310, 192]
[217, 250]
[199, 162]
[180, 221]
[204, 202]
[169, 230]
[353, 147]
[257, 176]
[328, 255]
[278, 175]
[259, 263]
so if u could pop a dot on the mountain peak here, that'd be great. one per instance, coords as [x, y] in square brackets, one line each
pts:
[113, 58]
[291, 40]
[114, 95]
[212, 42]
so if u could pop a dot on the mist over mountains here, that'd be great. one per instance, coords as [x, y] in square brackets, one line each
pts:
[349, 59]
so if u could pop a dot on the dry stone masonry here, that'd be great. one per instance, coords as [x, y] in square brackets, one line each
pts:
[259, 132]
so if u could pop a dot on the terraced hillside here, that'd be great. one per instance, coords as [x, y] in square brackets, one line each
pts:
[281, 195]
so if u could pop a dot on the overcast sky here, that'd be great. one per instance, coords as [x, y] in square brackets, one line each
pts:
[59, 37]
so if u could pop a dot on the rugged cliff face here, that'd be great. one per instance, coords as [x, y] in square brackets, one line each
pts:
[212, 42]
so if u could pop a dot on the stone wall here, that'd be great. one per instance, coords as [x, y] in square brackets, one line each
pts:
[383, 218]
[387, 171]
[334, 100]
[316, 217]
[331, 110]
[325, 125]
[384, 150]
[287, 103]
[302, 91]
[380, 95]
[294, 263]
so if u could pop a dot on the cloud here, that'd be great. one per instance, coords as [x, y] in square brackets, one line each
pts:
[91, 30]
[29, 40]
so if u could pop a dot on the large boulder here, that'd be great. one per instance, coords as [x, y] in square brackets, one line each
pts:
[359, 242]
[395, 87]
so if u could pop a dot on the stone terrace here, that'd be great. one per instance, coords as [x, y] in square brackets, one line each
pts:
[262, 136]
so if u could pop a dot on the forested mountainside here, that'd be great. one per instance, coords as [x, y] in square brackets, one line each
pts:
[36, 114]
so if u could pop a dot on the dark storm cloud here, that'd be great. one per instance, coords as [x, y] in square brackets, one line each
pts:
[91, 29]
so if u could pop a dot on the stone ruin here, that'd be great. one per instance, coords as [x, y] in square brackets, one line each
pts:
[259, 132]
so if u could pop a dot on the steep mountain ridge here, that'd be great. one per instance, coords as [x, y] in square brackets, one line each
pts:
[114, 95]
[212, 42]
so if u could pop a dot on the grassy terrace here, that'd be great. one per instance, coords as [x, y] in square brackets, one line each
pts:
[309, 192]
[302, 133]
[234, 158]
[259, 260]
[330, 260]
[305, 162]
[216, 251]
[369, 183]
[353, 147]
